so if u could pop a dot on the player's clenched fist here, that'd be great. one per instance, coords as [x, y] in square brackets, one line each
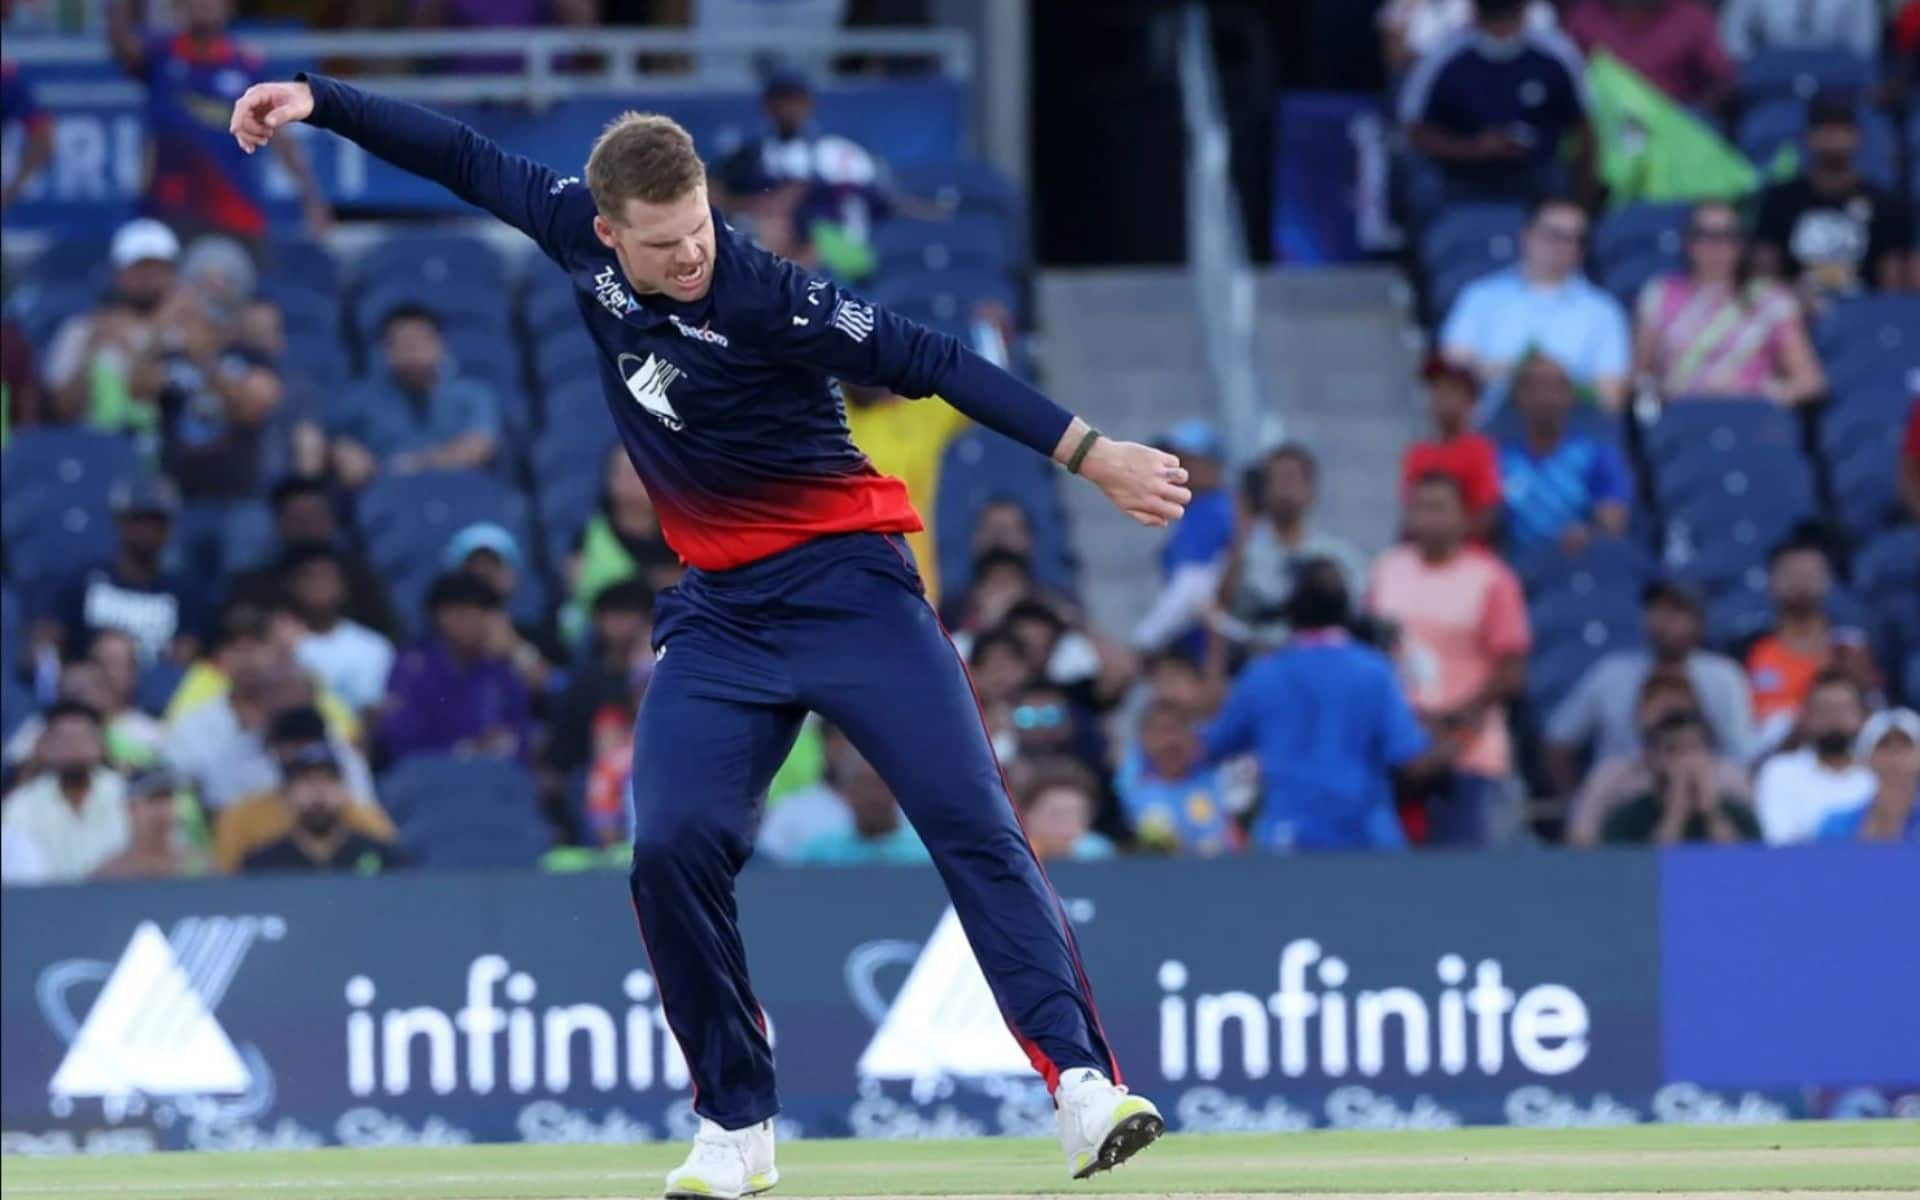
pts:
[259, 114]
[1145, 483]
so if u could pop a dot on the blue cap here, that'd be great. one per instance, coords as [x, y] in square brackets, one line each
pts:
[483, 535]
[1195, 437]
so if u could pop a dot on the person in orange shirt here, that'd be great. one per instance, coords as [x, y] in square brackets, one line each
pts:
[1783, 663]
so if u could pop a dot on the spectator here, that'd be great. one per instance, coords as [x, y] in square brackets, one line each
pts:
[1072, 654]
[1889, 745]
[18, 105]
[1910, 463]
[72, 815]
[1001, 524]
[257, 631]
[1560, 487]
[134, 593]
[1330, 725]
[1173, 799]
[104, 683]
[321, 838]
[1782, 663]
[303, 514]
[1673, 43]
[1271, 546]
[1750, 26]
[103, 366]
[1543, 304]
[262, 816]
[1455, 449]
[1045, 724]
[487, 552]
[1714, 331]
[1616, 780]
[198, 177]
[1490, 106]
[906, 439]
[454, 693]
[878, 833]
[997, 581]
[23, 402]
[350, 659]
[1412, 29]
[221, 745]
[622, 540]
[155, 849]
[1057, 805]
[1828, 231]
[1196, 550]
[1684, 803]
[418, 415]
[1600, 713]
[1799, 789]
[1001, 670]
[613, 670]
[216, 412]
[1463, 648]
[293, 445]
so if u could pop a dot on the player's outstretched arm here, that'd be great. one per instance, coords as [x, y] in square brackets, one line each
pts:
[521, 192]
[1148, 485]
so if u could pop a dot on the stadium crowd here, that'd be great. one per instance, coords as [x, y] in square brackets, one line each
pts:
[1658, 577]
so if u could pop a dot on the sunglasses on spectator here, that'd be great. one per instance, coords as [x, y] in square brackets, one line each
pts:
[1039, 716]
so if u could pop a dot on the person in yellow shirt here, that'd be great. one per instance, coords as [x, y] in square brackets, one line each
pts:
[252, 633]
[907, 439]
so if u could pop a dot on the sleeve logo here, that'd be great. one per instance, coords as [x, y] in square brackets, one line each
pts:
[853, 319]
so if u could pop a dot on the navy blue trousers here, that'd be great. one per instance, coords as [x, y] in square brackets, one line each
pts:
[839, 626]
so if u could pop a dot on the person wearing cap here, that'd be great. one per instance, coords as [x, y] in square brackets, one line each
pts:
[1799, 789]
[103, 365]
[345, 655]
[197, 178]
[134, 593]
[1597, 718]
[455, 692]
[155, 847]
[1195, 552]
[491, 554]
[1455, 448]
[263, 815]
[1889, 746]
[419, 414]
[1829, 231]
[321, 838]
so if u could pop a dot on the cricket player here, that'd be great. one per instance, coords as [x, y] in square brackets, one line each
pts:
[716, 359]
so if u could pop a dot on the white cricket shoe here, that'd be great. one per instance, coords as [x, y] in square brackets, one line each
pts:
[1101, 1125]
[726, 1163]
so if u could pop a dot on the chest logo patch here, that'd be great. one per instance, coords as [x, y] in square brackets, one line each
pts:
[648, 381]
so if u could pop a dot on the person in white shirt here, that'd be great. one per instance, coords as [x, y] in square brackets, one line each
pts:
[1750, 26]
[72, 816]
[1799, 790]
[346, 656]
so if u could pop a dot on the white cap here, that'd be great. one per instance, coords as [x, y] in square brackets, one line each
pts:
[143, 239]
[1880, 724]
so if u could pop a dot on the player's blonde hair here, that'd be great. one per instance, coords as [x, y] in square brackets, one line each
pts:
[644, 157]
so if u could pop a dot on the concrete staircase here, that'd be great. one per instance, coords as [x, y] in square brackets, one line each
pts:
[1123, 349]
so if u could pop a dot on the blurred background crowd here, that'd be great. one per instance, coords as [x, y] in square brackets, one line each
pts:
[320, 555]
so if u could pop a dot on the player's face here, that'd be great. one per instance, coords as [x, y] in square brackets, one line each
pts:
[665, 249]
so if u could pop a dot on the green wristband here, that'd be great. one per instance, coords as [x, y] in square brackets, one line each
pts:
[1080, 451]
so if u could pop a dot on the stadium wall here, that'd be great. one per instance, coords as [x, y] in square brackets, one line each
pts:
[1257, 994]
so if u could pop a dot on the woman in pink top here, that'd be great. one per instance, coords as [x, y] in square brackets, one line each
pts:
[1716, 332]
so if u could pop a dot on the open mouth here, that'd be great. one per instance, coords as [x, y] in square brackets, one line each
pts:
[691, 277]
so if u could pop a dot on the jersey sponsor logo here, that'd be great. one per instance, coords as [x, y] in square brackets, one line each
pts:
[699, 334]
[853, 319]
[814, 288]
[612, 294]
[561, 185]
[648, 381]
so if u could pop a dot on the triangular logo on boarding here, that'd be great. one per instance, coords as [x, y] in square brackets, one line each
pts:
[150, 1031]
[647, 381]
[945, 1020]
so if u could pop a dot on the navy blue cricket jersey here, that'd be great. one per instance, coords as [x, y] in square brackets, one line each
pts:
[725, 404]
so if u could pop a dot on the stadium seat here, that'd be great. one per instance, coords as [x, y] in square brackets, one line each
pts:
[564, 358]
[1487, 235]
[980, 467]
[473, 309]
[54, 485]
[1867, 417]
[1886, 321]
[1719, 544]
[1608, 566]
[427, 786]
[1796, 74]
[943, 295]
[1690, 427]
[408, 519]
[1861, 367]
[965, 241]
[1552, 671]
[1782, 124]
[1754, 477]
[1624, 279]
[1565, 616]
[1889, 564]
[967, 185]
[1864, 491]
[310, 311]
[41, 308]
[309, 263]
[1637, 230]
[78, 261]
[549, 307]
[16, 705]
[439, 260]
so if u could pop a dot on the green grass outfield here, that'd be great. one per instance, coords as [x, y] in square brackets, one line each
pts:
[1866, 1156]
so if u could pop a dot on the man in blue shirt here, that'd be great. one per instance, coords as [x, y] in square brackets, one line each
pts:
[1196, 549]
[418, 415]
[1558, 486]
[715, 361]
[1330, 725]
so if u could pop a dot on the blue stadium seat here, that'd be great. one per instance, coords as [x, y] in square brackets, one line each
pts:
[430, 785]
[439, 260]
[1862, 366]
[407, 521]
[967, 185]
[1624, 279]
[78, 260]
[1608, 566]
[1722, 541]
[13, 625]
[1552, 671]
[943, 295]
[309, 263]
[1889, 564]
[1563, 617]
[310, 311]
[1738, 615]
[1487, 235]
[56, 541]
[1755, 477]
[1782, 124]
[1866, 417]
[577, 408]
[1796, 74]
[1640, 230]
[1864, 491]
[1692, 427]
[1910, 680]
[549, 307]
[980, 467]
[16, 705]
[473, 309]
[965, 241]
[1885, 321]
[41, 308]
[54, 484]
